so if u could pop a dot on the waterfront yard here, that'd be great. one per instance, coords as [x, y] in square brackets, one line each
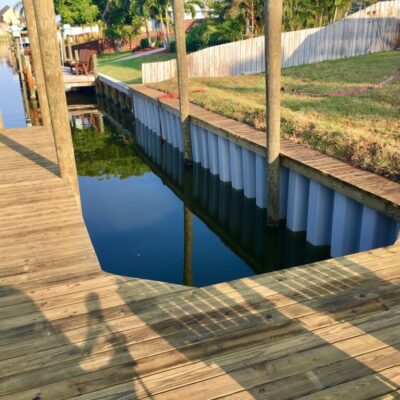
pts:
[128, 71]
[361, 127]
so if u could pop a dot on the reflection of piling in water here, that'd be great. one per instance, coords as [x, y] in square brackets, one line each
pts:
[18, 53]
[235, 218]
[187, 247]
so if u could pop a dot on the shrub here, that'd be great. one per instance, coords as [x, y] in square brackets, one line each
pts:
[144, 43]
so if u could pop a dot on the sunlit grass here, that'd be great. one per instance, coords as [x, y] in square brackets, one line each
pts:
[129, 71]
[363, 129]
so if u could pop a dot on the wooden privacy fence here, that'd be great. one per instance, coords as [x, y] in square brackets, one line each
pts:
[376, 28]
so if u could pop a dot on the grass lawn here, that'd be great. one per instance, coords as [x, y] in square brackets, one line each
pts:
[363, 129]
[129, 71]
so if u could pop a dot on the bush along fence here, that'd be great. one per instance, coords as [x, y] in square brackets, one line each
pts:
[376, 28]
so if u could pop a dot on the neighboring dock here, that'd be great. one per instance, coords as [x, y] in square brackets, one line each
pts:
[69, 330]
[73, 81]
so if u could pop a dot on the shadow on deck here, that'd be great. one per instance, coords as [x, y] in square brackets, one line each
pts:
[325, 330]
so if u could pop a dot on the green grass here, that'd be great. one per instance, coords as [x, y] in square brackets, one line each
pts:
[104, 58]
[363, 129]
[129, 71]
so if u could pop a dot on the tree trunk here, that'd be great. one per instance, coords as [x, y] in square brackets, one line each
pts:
[168, 26]
[164, 31]
[148, 33]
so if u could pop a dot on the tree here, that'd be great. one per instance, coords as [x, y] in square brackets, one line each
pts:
[77, 12]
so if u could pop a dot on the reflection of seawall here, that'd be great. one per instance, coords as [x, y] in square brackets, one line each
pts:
[327, 216]
[233, 217]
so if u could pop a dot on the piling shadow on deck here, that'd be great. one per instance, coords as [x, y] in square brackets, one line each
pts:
[69, 330]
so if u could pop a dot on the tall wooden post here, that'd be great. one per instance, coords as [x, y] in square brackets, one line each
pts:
[49, 51]
[94, 61]
[31, 91]
[17, 46]
[69, 46]
[1, 122]
[273, 29]
[182, 72]
[37, 62]
[61, 44]
[24, 92]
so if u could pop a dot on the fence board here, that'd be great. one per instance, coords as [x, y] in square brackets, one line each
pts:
[373, 29]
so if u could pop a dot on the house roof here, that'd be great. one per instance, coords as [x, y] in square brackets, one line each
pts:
[4, 10]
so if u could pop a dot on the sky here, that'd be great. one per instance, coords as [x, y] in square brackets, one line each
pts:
[7, 3]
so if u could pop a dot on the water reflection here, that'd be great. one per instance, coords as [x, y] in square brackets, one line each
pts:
[150, 217]
[11, 102]
[236, 219]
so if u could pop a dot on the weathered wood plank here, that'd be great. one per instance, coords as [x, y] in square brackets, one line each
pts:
[68, 329]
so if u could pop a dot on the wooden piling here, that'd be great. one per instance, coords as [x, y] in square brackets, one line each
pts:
[37, 62]
[1, 121]
[61, 44]
[182, 72]
[94, 60]
[47, 31]
[28, 78]
[273, 27]
[101, 122]
[17, 46]
[69, 47]
[30, 90]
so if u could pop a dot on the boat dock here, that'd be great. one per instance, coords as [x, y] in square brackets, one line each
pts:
[73, 81]
[70, 330]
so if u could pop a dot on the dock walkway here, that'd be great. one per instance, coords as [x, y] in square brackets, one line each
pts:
[69, 330]
[72, 80]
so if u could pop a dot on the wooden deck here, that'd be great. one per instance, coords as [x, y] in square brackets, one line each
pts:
[329, 330]
[72, 80]
[368, 188]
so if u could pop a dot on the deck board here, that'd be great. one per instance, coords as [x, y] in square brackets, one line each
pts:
[72, 80]
[69, 330]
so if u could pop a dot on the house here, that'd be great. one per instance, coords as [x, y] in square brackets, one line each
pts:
[9, 16]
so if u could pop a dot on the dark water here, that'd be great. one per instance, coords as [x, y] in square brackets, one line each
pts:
[134, 196]
[11, 104]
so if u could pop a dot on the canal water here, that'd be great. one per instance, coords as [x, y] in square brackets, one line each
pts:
[135, 191]
[11, 104]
